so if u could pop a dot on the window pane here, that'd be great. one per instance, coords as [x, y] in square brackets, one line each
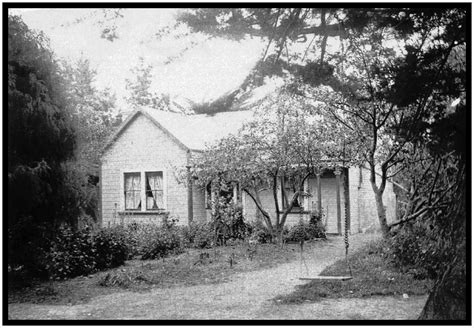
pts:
[154, 190]
[132, 191]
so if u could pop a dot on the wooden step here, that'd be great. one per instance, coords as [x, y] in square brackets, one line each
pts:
[343, 278]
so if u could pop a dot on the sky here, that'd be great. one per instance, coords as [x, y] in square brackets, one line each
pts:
[209, 69]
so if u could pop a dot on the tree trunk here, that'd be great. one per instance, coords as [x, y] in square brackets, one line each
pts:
[447, 300]
[278, 235]
[381, 213]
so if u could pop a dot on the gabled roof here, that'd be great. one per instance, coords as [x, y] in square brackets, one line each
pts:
[192, 132]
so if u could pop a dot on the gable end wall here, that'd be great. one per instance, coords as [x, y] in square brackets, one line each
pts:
[143, 146]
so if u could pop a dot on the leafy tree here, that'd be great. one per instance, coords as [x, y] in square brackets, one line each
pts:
[40, 132]
[398, 103]
[297, 38]
[92, 111]
[139, 87]
[438, 64]
[41, 139]
[357, 101]
[274, 150]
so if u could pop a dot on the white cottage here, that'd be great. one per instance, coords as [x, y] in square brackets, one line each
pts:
[139, 179]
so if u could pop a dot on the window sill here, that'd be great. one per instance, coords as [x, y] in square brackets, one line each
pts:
[131, 212]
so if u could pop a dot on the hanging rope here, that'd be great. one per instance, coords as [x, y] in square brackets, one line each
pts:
[346, 244]
[346, 227]
[302, 233]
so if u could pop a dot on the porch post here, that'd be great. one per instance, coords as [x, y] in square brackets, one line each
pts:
[190, 189]
[318, 182]
[337, 172]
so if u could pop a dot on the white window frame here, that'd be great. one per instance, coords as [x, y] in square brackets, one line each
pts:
[143, 171]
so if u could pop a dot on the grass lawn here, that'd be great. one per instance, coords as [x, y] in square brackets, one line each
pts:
[194, 266]
[372, 275]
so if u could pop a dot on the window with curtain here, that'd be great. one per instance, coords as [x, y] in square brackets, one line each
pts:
[132, 191]
[154, 190]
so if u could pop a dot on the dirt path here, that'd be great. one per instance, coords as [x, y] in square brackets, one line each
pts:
[247, 296]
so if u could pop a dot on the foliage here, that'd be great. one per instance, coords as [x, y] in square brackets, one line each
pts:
[199, 235]
[28, 243]
[414, 247]
[81, 252]
[137, 236]
[56, 122]
[227, 224]
[111, 248]
[260, 233]
[92, 110]
[162, 242]
[286, 139]
[305, 231]
[140, 94]
[398, 99]
[72, 253]
[40, 130]
[228, 221]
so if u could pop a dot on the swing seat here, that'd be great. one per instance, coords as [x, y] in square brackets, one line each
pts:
[342, 278]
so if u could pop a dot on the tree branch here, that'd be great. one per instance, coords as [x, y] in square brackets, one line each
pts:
[275, 196]
[259, 206]
[293, 199]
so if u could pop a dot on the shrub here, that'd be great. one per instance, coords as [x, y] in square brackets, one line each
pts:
[229, 221]
[71, 254]
[74, 253]
[260, 233]
[297, 232]
[416, 248]
[316, 227]
[305, 231]
[163, 242]
[28, 243]
[199, 235]
[111, 247]
[138, 236]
